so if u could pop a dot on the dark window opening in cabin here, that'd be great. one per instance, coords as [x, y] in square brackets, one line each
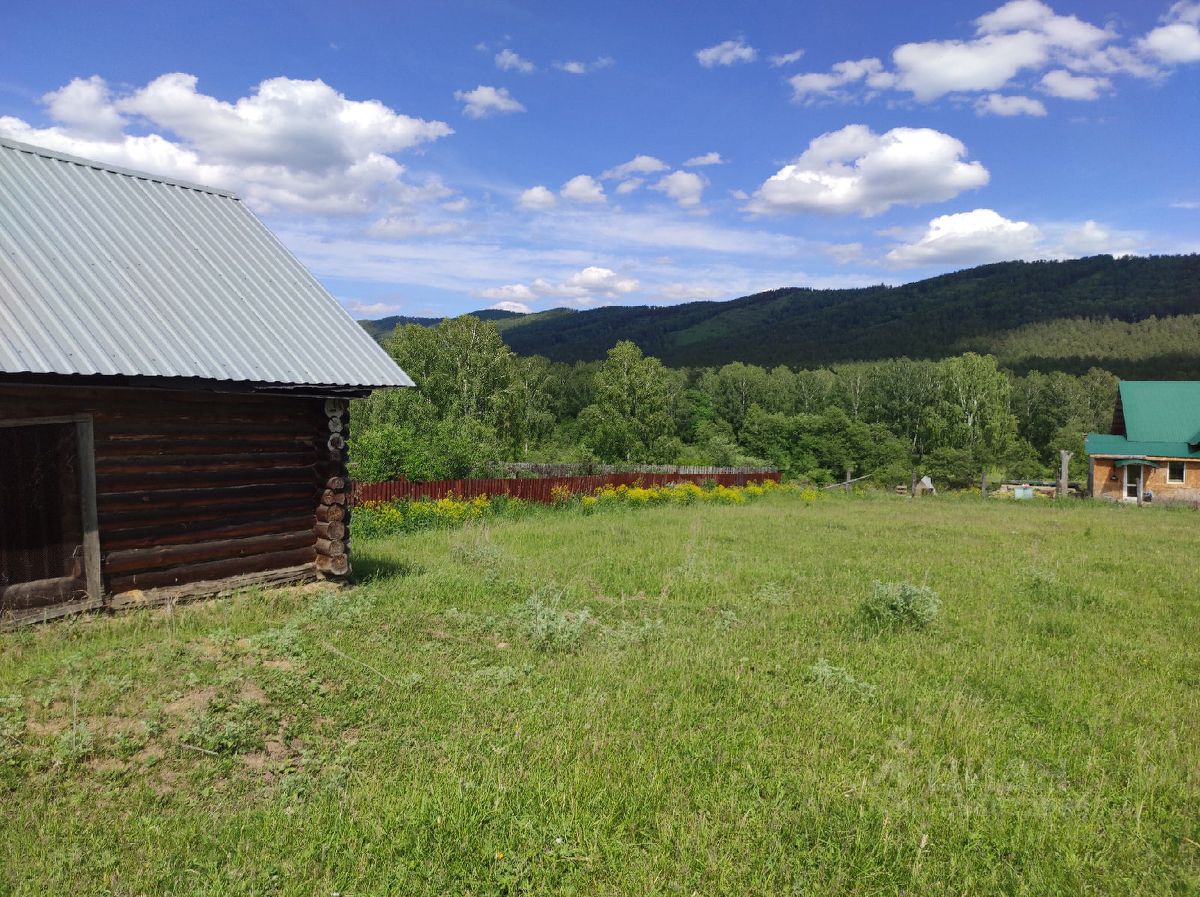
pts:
[41, 554]
[1175, 472]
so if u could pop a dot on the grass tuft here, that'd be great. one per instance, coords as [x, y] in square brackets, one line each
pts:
[892, 605]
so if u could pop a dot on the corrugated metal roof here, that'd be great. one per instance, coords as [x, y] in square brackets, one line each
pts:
[109, 271]
[1106, 444]
[1161, 410]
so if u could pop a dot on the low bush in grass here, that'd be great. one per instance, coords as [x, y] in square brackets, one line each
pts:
[547, 625]
[893, 605]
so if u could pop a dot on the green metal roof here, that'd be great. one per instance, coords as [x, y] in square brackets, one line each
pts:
[1162, 420]
[1106, 444]
[1161, 410]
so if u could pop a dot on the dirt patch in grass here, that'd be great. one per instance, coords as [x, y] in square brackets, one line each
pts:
[252, 691]
[192, 702]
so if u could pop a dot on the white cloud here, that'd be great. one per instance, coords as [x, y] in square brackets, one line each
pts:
[691, 292]
[998, 104]
[984, 235]
[844, 253]
[86, 106]
[291, 144]
[537, 198]
[577, 67]
[601, 280]
[1061, 83]
[973, 237]
[637, 165]
[707, 159]
[306, 121]
[817, 84]
[1012, 45]
[457, 205]
[786, 58]
[485, 101]
[513, 292]
[629, 185]
[372, 309]
[855, 170]
[685, 187]
[935, 68]
[1091, 238]
[510, 61]
[582, 288]
[1020, 35]
[399, 228]
[1177, 41]
[1174, 44]
[582, 188]
[508, 305]
[728, 52]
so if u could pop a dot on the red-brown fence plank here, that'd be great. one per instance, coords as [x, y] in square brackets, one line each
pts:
[541, 489]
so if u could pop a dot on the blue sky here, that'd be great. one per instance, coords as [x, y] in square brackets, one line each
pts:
[428, 158]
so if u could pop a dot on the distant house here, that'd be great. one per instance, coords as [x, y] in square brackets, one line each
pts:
[1154, 446]
[173, 393]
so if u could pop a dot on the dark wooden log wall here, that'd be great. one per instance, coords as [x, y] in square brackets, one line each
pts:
[197, 487]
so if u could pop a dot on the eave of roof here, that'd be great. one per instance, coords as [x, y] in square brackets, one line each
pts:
[1108, 445]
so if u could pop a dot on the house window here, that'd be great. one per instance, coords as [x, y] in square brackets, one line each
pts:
[1174, 471]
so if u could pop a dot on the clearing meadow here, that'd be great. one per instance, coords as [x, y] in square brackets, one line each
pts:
[671, 700]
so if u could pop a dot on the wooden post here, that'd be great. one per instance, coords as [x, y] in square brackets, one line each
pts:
[912, 488]
[983, 484]
[849, 473]
[85, 443]
[1141, 482]
[1091, 486]
[1064, 458]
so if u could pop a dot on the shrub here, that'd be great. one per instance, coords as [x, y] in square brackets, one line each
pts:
[895, 604]
[824, 674]
[547, 626]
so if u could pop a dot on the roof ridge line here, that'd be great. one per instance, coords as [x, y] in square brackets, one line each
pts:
[47, 153]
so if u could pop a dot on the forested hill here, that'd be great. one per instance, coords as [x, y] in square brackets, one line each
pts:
[1065, 315]
[381, 327]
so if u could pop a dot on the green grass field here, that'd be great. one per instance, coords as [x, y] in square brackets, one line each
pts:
[680, 700]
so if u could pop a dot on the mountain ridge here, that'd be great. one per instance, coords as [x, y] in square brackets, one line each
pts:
[974, 309]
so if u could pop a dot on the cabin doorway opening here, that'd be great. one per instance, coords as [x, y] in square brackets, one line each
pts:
[49, 548]
[1133, 478]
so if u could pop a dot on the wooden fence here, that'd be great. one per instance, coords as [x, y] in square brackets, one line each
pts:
[541, 489]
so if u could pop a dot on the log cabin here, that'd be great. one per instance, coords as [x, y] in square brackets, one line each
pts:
[173, 394]
[1154, 447]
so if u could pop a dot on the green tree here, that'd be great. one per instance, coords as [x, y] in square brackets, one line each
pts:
[458, 365]
[975, 395]
[633, 406]
[521, 409]
[732, 389]
[904, 395]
